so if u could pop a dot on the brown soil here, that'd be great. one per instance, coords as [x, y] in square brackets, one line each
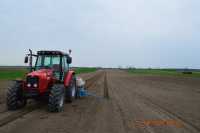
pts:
[120, 100]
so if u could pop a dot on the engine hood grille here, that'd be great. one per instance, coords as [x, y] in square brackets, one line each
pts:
[32, 80]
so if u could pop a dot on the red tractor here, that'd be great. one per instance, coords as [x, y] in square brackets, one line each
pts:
[51, 78]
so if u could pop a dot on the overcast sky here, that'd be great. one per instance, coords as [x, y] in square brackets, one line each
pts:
[108, 33]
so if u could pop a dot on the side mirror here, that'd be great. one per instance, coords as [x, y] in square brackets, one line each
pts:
[69, 60]
[26, 59]
[70, 51]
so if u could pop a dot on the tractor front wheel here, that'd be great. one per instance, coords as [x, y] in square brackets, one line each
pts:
[15, 97]
[56, 98]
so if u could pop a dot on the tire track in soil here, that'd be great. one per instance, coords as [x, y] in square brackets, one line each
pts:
[159, 108]
[116, 102]
[14, 115]
[100, 111]
[84, 119]
[155, 106]
[121, 112]
[106, 91]
[91, 105]
[4, 110]
[91, 81]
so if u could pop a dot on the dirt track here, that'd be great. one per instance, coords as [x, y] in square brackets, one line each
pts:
[121, 100]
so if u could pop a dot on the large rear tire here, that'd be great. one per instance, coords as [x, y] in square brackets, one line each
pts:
[56, 98]
[71, 91]
[15, 99]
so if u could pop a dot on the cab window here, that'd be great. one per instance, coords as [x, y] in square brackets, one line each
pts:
[64, 64]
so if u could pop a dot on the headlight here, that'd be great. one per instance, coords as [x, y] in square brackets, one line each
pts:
[28, 85]
[35, 85]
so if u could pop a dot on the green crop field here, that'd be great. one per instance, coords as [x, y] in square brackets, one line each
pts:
[162, 72]
[84, 70]
[10, 74]
[14, 73]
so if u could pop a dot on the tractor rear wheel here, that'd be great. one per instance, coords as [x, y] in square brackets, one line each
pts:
[56, 98]
[15, 97]
[71, 91]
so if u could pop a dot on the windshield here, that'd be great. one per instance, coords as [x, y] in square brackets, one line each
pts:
[47, 61]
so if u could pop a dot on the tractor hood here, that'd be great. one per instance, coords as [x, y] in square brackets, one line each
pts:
[42, 73]
[44, 78]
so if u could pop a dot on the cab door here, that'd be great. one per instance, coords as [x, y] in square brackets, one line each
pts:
[65, 66]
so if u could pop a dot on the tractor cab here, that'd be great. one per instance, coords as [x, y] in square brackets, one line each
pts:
[56, 61]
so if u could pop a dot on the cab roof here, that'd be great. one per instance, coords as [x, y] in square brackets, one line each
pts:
[47, 52]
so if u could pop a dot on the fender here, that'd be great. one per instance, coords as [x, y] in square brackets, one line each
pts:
[68, 78]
